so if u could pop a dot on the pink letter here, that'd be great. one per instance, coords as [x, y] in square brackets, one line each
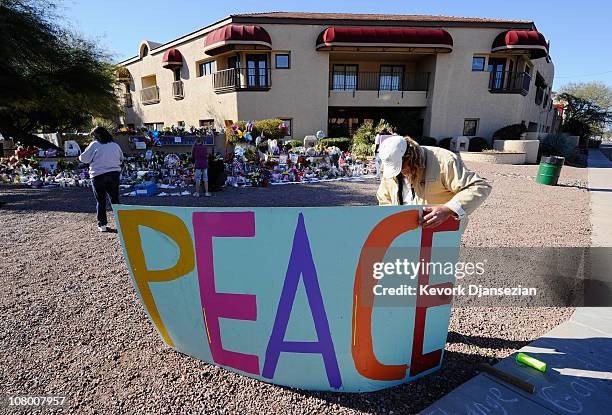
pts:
[207, 225]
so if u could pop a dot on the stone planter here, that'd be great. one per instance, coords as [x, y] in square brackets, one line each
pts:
[529, 147]
[493, 158]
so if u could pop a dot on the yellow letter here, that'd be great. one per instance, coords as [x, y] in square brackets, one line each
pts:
[173, 227]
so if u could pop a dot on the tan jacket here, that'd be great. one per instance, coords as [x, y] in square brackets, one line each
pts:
[447, 181]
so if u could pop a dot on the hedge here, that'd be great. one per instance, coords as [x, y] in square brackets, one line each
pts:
[426, 141]
[294, 143]
[445, 143]
[268, 127]
[478, 144]
[343, 143]
[510, 132]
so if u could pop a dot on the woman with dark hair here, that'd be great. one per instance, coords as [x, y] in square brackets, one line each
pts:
[104, 157]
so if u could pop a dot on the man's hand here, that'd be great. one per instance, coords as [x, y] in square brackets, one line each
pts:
[434, 216]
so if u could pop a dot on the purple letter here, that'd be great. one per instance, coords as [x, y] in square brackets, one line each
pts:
[207, 225]
[301, 263]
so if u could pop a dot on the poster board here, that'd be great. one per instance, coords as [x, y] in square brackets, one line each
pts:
[285, 295]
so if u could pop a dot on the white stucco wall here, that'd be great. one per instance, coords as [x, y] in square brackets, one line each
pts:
[200, 101]
[300, 92]
[460, 93]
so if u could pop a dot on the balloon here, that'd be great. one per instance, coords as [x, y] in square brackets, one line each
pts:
[155, 133]
[320, 134]
[239, 133]
[248, 136]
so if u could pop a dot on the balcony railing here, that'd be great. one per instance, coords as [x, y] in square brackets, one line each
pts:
[509, 82]
[378, 81]
[149, 95]
[177, 90]
[242, 79]
[127, 100]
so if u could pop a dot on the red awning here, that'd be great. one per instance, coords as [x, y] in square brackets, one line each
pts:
[228, 37]
[385, 37]
[530, 42]
[172, 59]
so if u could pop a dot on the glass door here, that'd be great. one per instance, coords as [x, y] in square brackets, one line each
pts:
[497, 67]
[391, 77]
[257, 71]
[233, 76]
[344, 77]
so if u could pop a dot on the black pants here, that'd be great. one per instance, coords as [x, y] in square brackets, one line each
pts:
[103, 184]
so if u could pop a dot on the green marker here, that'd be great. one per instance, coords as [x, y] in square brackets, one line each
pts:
[531, 362]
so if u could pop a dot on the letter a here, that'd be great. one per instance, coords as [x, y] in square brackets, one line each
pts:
[301, 263]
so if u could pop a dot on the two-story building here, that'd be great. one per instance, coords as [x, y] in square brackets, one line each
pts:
[431, 75]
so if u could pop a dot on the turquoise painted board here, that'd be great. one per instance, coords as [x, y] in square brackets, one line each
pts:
[291, 296]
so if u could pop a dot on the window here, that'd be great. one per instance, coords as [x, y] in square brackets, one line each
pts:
[478, 63]
[209, 123]
[470, 127]
[206, 68]
[289, 123]
[257, 71]
[344, 77]
[159, 126]
[180, 124]
[177, 74]
[282, 61]
[391, 78]
[541, 86]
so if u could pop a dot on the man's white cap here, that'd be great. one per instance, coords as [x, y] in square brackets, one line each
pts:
[391, 152]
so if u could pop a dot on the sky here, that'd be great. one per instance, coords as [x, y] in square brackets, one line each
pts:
[578, 31]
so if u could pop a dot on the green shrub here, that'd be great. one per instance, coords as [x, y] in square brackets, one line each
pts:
[343, 143]
[510, 132]
[426, 141]
[594, 142]
[365, 134]
[294, 143]
[558, 145]
[445, 143]
[479, 144]
[269, 127]
[363, 150]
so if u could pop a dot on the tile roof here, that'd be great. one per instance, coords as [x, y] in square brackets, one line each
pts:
[381, 17]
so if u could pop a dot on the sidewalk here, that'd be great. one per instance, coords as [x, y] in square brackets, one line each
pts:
[578, 353]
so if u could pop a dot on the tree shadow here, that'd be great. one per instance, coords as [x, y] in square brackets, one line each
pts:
[80, 199]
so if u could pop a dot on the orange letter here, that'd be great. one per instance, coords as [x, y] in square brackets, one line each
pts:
[173, 227]
[374, 250]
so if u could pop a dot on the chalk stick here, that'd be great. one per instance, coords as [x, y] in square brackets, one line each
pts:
[507, 377]
[531, 362]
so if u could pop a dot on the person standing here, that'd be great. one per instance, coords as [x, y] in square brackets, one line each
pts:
[200, 165]
[104, 157]
[380, 138]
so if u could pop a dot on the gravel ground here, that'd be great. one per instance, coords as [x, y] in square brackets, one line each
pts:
[71, 323]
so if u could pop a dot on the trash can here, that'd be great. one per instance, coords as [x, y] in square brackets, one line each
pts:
[549, 170]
